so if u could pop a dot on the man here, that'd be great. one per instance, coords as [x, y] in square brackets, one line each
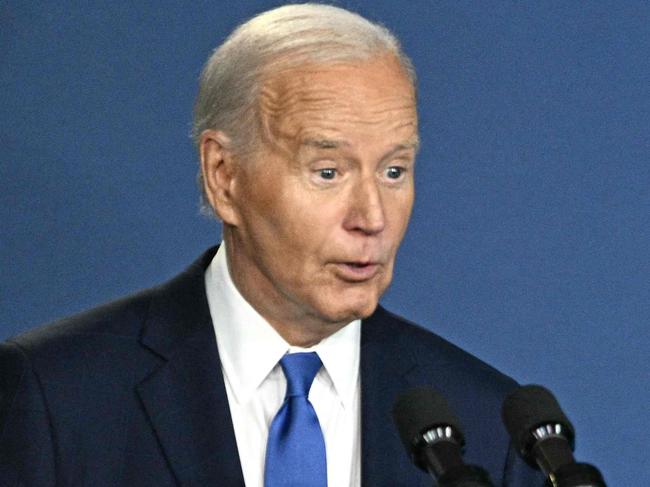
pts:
[306, 128]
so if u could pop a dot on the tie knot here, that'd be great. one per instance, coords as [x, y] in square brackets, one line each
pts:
[300, 370]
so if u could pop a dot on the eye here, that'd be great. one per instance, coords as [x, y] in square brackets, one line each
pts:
[394, 172]
[327, 173]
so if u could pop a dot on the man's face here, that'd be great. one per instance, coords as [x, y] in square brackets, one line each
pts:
[323, 204]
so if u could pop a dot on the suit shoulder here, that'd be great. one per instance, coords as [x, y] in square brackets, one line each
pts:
[121, 317]
[428, 347]
[72, 360]
[108, 338]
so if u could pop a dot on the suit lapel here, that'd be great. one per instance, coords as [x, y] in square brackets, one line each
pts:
[387, 369]
[185, 398]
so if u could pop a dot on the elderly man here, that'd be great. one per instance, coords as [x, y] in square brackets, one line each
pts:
[306, 128]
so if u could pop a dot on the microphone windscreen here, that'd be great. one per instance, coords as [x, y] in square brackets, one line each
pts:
[418, 410]
[528, 407]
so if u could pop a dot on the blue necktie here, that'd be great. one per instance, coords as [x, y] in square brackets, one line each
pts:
[295, 451]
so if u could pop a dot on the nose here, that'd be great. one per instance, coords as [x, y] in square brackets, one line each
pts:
[366, 211]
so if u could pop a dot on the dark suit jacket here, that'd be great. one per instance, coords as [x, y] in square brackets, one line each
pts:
[132, 393]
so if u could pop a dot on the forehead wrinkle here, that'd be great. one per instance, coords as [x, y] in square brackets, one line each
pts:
[281, 109]
[330, 134]
[342, 114]
[291, 93]
[300, 108]
[296, 96]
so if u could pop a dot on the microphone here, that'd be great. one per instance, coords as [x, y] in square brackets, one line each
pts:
[545, 438]
[433, 438]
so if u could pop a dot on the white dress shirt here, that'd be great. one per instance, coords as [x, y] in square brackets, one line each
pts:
[250, 349]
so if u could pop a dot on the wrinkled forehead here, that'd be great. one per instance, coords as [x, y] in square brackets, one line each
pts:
[374, 96]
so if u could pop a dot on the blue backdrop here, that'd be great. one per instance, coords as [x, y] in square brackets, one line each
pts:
[530, 241]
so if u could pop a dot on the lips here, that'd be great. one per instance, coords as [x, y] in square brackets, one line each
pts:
[357, 271]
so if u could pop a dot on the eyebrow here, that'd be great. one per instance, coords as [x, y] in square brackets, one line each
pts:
[413, 143]
[325, 143]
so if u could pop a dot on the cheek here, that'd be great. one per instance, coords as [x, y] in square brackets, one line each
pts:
[265, 204]
[399, 214]
[310, 223]
[292, 236]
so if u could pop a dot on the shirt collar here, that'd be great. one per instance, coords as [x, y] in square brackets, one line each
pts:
[249, 347]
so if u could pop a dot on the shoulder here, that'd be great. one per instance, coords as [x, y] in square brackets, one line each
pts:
[431, 351]
[103, 338]
[64, 383]
[83, 363]
[112, 332]
[473, 389]
[117, 320]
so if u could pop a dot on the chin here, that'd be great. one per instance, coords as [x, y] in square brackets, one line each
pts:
[347, 311]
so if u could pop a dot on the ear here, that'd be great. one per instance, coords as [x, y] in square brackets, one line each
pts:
[219, 170]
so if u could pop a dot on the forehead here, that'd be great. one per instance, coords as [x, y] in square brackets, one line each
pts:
[342, 100]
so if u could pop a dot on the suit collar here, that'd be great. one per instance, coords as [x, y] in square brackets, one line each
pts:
[178, 309]
[185, 397]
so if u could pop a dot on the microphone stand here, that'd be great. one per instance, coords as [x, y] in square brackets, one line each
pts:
[576, 475]
[440, 454]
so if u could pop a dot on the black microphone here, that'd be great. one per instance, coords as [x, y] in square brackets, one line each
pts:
[545, 438]
[433, 438]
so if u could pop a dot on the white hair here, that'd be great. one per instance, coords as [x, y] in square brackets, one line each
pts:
[282, 38]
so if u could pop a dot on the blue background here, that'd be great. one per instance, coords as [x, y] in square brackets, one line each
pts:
[530, 241]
